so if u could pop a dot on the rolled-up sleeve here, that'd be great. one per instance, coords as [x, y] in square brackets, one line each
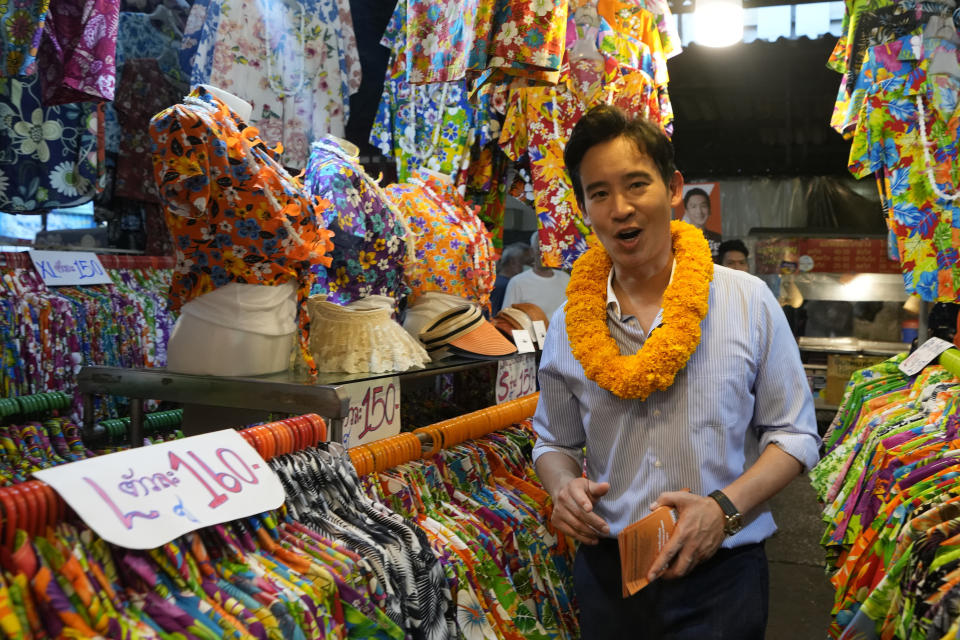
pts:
[557, 420]
[783, 414]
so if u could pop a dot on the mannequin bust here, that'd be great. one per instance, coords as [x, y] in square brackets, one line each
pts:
[237, 329]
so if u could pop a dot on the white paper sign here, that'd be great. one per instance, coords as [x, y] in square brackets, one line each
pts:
[540, 329]
[924, 355]
[374, 411]
[521, 338]
[516, 377]
[69, 268]
[145, 497]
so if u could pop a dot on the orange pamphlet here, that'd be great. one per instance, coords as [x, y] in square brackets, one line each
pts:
[641, 543]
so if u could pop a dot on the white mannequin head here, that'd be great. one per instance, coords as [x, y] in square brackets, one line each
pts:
[240, 107]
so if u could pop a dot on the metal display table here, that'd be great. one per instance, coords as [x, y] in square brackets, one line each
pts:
[223, 400]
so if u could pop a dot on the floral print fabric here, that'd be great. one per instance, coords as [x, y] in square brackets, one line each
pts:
[296, 63]
[48, 155]
[888, 141]
[452, 252]
[369, 233]
[21, 27]
[77, 54]
[234, 213]
[538, 123]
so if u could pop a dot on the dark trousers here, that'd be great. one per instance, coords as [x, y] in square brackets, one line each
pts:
[724, 598]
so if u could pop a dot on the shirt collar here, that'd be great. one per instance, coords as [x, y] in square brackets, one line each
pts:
[613, 305]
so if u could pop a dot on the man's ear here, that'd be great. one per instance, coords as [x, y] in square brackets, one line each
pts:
[583, 212]
[676, 189]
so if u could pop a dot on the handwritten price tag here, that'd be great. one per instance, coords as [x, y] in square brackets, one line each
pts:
[516, 377]
[143, 498]
[374, 411]
[69, 268]
[924, 355]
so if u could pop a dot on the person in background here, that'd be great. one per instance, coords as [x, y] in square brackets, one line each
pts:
[542, 286]
[696, 211]
[733, 254]
[514, 258]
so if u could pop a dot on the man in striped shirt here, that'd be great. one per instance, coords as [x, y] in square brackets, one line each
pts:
[734, 428]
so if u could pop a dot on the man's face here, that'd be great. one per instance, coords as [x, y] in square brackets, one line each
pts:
[698, 210]
[735, 260]
[627, 203]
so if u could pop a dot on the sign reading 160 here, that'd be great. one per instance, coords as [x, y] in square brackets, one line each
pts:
[379, 403]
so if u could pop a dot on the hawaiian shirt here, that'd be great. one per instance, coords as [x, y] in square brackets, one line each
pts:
[76, 56]
[538, 124]
[452, 252]
[48, 155]
[439, 38]
[290, 61]
[144, 91]
[196, 48]
[370, 236]
[234, 213]
[141, 35]
[527, 41]
[424, 125]
[888, 141]
[21, 27]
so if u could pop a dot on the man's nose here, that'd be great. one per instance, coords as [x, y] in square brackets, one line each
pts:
[622, 205]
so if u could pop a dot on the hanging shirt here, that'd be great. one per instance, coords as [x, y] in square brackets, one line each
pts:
[370, 235]
[539, 122]
[20, 33]
[288, 60]
[48, 155]
[453, 252]
[234, 213]
[889, 141]
[76, 56]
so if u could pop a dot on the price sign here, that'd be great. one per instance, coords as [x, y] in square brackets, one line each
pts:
[69, 268]
[521, 338]
[145, 497]
[374, 411]
[540, 329]
[923, 356]
[516, 377]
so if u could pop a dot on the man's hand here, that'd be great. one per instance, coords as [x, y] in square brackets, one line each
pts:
[573, 510]
[697, 536]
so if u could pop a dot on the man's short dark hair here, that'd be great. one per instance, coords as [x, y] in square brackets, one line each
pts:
[696, 191]
[604, 123]
[732, 245]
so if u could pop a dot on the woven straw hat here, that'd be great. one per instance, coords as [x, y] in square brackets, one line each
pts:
[463, 331]
[361, 337]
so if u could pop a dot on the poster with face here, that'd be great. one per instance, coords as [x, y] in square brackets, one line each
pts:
[701, 207]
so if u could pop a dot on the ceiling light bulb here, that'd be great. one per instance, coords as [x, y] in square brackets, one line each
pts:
[719, 22]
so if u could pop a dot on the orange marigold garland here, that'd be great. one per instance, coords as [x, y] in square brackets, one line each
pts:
[668, 349]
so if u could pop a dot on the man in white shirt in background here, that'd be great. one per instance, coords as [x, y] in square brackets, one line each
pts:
[542, 286]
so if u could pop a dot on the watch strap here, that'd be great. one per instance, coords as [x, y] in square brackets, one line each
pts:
[733, 517]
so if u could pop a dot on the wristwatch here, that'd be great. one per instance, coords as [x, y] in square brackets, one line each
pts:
[733, 520]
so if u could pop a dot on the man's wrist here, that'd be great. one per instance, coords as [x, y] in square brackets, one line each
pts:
[732, 518]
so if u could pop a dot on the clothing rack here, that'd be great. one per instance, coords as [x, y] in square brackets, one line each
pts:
[34, 505]
[426, 441]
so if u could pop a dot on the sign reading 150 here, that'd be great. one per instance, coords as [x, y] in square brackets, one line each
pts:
[379, 404]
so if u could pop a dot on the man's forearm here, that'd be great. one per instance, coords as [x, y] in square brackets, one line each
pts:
[555, 470]
[773, 470]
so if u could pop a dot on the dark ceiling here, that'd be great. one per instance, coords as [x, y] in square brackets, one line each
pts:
[752, 109]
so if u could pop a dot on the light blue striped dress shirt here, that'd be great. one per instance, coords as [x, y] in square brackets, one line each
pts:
[743, 389]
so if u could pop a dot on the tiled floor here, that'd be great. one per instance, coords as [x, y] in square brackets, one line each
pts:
[800, 593]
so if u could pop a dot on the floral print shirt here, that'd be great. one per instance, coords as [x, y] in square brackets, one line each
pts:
[452, 253]
[21, 27]
[424, 125]
[234, 213]
[295, 63]
[888, 141]
[48, 155]
[77, 54]
[370, 235]
[538, 124]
